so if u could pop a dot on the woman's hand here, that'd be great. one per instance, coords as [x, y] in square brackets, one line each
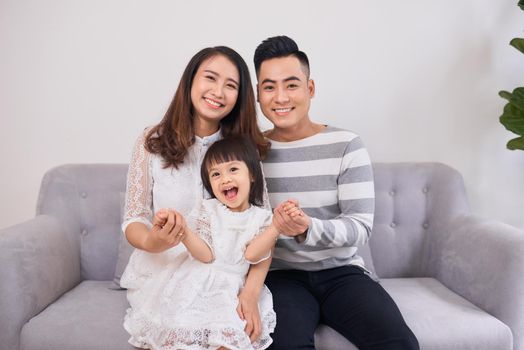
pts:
[167, 231]
[247, 309]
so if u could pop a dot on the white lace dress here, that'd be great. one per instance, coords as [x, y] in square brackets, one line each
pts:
[150, 187]
[192, 305]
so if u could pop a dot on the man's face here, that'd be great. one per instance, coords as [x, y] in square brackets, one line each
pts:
[284, 92]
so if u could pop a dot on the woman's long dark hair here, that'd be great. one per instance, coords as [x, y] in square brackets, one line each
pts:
[172, 137]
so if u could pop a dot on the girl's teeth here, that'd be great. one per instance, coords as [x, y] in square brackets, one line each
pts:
[230, 193]
[283, 110]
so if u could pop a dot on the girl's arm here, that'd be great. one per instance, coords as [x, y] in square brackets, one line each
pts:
[260, 246]
[196, 246]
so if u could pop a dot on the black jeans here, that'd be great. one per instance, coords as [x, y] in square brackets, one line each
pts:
[344, 298]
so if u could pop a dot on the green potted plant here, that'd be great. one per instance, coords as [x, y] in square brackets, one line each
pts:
[513, 116]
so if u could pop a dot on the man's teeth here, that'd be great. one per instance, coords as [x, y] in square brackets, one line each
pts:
[282, 110]
[211, 102]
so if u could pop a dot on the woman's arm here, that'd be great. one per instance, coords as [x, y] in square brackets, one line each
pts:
[136, 223]
[248, 298]
[167, 231]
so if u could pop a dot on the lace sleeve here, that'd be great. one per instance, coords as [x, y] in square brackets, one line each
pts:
[139, 193]
[264, 225]
[202, 224]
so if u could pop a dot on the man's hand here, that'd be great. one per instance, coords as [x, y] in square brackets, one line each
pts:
[247, 309]
[289, 219]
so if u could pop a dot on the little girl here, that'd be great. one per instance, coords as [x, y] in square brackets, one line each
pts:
[193, 305]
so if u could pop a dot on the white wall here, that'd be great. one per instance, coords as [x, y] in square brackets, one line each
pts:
[417, 79]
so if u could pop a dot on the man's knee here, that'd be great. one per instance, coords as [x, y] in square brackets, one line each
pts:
[405, 341]
[285, 341]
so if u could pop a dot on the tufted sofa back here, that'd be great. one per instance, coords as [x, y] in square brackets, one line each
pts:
[86, 197]
[413, 203]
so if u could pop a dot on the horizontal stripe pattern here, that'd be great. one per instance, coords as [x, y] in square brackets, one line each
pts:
[357, 190]
[303, 183]
[330, 175]
[306, 199]
[315, 167]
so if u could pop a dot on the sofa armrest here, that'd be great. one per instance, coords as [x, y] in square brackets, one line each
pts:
[39, 262]
[484, 262]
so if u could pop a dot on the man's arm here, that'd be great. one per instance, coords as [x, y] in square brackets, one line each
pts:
[356, 201]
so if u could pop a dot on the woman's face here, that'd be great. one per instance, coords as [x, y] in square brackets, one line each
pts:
[214, 92]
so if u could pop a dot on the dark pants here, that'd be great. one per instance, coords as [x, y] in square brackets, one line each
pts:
[344, 298]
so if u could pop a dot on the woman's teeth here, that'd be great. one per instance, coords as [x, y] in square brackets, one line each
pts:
[214, 103]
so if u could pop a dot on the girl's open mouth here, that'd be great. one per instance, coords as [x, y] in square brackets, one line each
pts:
[230, 193]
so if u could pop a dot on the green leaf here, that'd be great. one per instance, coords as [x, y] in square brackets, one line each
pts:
[521, 4]
[518, 43]
[513, 119]
[505, 94]
[516, 143]
[511, 109]
[517, 98]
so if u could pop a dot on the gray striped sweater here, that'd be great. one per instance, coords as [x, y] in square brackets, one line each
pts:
[330, 175]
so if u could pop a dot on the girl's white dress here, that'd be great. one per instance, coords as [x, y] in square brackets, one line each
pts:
[156, 306]
[190, 304]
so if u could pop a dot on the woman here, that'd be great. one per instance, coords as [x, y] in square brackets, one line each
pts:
[214, 99]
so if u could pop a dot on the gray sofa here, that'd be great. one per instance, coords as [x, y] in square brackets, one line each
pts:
[456, 278]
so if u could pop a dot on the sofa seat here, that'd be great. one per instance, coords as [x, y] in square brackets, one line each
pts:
[91, 316]
[456, 277]
[427, 305]
[88, 317]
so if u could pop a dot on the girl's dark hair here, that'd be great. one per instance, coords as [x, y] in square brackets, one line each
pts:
[279, 46]
[239, 149]
[172, 137]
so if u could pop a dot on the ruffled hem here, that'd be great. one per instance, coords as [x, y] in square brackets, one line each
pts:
[146, 334]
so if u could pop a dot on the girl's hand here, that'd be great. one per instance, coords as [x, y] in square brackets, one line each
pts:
[292, 209]
[289, 219]
[167, 231]
[160, 218]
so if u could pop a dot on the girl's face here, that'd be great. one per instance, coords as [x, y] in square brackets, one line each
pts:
[214, 92]
[231, 184]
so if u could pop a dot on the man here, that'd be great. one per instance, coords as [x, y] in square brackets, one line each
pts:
[316, 275]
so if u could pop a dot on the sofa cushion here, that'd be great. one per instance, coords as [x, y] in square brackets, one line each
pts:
[91, 315]
[124, 249]
[442, 319]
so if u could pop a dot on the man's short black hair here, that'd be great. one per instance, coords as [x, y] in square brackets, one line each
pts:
[279, 46]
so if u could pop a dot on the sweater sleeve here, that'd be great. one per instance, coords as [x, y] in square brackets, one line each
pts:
[356, 203]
